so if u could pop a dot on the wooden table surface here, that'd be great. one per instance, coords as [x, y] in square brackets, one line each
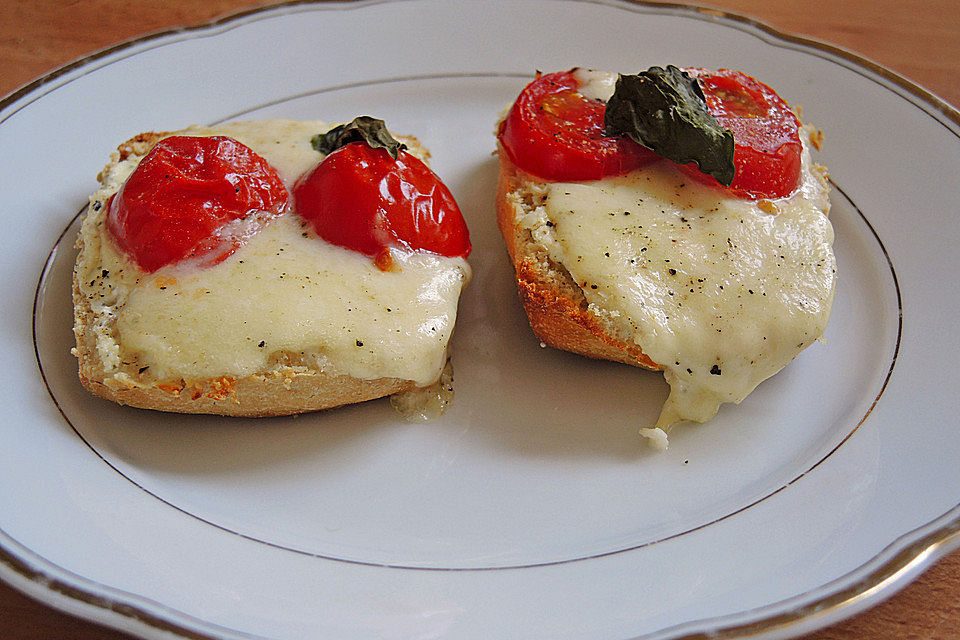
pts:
[919, 39]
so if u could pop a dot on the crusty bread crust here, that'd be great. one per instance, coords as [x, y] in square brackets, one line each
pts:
[284, 390]
[557, 309]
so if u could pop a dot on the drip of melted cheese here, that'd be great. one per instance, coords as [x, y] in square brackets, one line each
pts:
[284, 297]
[721, 292]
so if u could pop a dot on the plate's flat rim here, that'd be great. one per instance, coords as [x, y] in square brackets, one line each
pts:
[691, 10]
[880, 577]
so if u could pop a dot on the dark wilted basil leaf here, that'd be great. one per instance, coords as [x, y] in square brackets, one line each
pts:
[362, 129]
[664, 110]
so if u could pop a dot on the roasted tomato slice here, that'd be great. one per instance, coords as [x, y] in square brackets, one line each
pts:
[555, 133]
[362, 199]
[193, 197]
[766, 134]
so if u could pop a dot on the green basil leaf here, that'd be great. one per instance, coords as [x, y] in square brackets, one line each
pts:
[362, 129]
[665, 111]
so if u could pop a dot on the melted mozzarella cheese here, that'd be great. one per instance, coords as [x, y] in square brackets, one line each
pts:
[595, 85]
[283, 293]
[285, 297]
[721, 292]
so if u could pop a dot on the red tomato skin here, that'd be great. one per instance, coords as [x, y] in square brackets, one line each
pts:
[176, 203]
[360, 198]
[766, 134]
[553, 132]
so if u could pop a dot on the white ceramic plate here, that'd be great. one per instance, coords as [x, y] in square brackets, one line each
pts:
[531, 509]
